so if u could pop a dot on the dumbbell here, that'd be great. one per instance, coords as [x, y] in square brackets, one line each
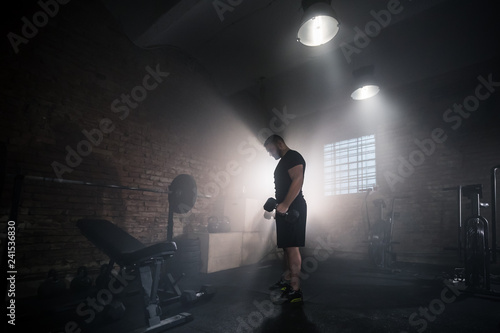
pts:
[291, 216]
[82, 281]
[52, 286]
[104, 277]
[191, 296]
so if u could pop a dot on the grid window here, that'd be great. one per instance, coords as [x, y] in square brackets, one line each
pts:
[349, 165]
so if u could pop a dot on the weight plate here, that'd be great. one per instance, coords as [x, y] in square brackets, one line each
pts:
[182, 194]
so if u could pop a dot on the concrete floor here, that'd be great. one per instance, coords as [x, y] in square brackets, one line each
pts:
[340, 296]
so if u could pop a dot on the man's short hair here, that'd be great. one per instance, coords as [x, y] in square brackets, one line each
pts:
[274, 139]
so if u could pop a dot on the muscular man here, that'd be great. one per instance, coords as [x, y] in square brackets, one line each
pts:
[288, 180]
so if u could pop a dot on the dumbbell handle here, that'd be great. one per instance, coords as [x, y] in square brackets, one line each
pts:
[288, 213]
[292, 211]
[271, 205]
[290, 216]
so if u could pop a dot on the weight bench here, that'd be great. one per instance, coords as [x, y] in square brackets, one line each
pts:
[128, 252]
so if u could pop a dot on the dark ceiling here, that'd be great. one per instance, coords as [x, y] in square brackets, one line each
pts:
[251, 44]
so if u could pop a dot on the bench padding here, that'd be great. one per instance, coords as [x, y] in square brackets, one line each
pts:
[119, 245]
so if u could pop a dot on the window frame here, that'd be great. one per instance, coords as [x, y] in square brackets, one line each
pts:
[349, 165]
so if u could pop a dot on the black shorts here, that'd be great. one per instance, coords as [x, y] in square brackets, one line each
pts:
[292, 234]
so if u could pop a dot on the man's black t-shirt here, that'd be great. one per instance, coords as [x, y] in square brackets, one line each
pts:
[282, 180]
[290, 234]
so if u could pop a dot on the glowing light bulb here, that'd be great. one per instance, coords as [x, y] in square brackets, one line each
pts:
[365, 92]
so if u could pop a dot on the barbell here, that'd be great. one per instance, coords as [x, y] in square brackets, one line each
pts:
[182, 192]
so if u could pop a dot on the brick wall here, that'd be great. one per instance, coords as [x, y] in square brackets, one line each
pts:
[81, 102]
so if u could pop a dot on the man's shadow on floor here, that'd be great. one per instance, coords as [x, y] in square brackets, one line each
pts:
[291, 319]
